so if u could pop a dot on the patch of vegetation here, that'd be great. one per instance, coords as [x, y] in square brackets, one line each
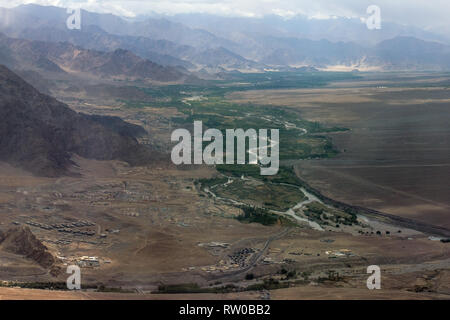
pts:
[268, 284]
[258, 215]
[37, 285]
[211, 182]
[305, 275]
[62, 286]
[257, 193]
[239, 170]
[299, 137]
[323, 214]
[103, 288]
[288, 274]
[179, 288]
[194, 288]
[333, 276]
[285, 174]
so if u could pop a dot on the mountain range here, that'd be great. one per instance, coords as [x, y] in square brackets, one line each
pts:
[217, 44]
[61, 57]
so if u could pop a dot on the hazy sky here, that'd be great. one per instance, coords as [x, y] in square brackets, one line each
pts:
[430, 14]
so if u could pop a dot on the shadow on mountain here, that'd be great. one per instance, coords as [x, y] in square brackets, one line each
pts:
[40, 134]
[21, 241]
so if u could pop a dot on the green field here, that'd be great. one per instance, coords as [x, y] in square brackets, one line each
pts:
[299, 139]
[261, 194]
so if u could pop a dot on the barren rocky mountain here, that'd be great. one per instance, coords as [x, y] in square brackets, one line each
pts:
[56, 57]
[40, 134]
[21, 241]
[411, 53]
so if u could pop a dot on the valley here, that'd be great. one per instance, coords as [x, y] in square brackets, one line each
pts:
[225, 231]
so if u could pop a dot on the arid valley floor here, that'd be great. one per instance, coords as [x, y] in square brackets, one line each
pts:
[160, 234]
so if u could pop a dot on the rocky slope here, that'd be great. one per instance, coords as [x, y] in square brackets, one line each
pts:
[21, 241]
[63, 57]
[40, 134]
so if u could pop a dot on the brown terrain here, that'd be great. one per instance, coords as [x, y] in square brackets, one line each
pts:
[150, 225]
[62, 57]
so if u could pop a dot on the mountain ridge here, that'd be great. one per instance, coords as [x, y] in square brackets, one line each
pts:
[63, 56]
[40, 134]
[247, 45]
